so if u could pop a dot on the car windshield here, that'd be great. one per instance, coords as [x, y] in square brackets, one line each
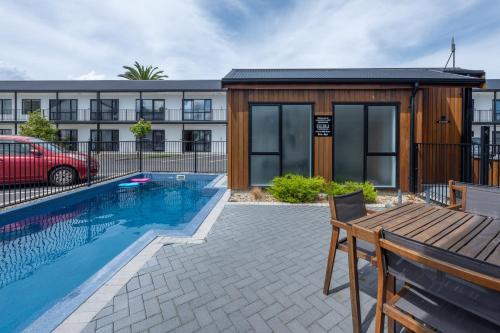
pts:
[49, 146]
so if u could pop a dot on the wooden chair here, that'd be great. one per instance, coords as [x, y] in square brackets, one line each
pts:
[443, 291]
[477, 199]
[344, 209]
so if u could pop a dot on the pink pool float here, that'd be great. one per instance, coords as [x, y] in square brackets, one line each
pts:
[140, 180]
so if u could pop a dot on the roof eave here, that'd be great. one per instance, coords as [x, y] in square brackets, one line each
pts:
[455, 81]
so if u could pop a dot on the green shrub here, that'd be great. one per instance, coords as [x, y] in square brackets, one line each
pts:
[295, 188]
[369, 192]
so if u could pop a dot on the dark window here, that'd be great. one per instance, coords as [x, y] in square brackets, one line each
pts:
[365, 143]
[69, 138]
[5, 131]
[280, 141]
[153, 141]
[68, 109]
[109, 109]
[30, 105]
[197, 140]
[106, 140]
[197, 109]
[5, 107]
[152, 109]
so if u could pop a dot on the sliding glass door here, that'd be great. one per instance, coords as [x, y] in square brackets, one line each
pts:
[280, 141]
[365, 143]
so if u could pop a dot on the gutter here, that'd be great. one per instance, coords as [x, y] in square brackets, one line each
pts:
[413, 148]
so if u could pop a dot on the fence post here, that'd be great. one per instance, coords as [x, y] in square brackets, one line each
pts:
[140, 153]
[195, 157]
[89, 165]
[484, 153]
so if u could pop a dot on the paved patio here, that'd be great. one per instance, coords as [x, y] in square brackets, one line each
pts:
[261, 270]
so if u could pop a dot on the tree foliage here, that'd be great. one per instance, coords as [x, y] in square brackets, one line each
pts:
[40, 127]
[141, 128]
[141, 72]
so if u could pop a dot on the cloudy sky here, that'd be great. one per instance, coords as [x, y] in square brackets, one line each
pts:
[92, 39]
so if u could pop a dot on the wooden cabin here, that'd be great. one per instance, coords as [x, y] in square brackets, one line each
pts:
[342, 124]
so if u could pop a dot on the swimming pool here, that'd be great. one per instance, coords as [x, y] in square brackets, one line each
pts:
[50, 248]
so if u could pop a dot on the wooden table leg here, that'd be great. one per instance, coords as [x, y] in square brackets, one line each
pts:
[391, 290]
[353, 283]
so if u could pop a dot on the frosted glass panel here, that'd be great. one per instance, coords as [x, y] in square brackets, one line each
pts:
[263, 168]
[381, 170]
[348, 142]
[296, 142]
[265, 129]
[382, 129]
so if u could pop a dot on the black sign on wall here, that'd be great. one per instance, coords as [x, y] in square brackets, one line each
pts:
[323, 126]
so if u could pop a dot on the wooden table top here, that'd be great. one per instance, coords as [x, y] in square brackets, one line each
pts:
[468, 234]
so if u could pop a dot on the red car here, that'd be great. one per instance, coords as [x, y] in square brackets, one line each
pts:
[30, 160]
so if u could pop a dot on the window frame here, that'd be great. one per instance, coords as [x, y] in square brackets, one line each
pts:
[114, 143]
[115, 109]
[31, 100]
[2, 107]
[280, 137]
[73, 109]
[152, 144]
[156, 114]
[366, 153]
[72, 143]
[189, 145]
[207, 114]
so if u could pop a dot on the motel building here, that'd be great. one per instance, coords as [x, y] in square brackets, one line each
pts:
[486, 103]
[344, 124]
[103, 110]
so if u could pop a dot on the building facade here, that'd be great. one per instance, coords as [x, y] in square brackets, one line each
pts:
[344, 124]
[487, 111]
[190, 110]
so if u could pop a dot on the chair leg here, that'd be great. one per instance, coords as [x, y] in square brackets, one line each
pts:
[353, 282]
[390, 292]
[331, 259]
[379, 313]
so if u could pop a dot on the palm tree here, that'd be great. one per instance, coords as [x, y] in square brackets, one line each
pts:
[140, 72]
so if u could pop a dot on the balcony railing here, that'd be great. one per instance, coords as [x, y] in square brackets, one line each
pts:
[485, 116]
[119, 115]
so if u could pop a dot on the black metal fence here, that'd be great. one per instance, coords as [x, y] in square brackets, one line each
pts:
[471, 163]
[31, 170]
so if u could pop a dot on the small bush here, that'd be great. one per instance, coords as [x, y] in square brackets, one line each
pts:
[369, 192]
[295, 188]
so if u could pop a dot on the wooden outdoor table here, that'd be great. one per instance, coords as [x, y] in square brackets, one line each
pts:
[468, 234]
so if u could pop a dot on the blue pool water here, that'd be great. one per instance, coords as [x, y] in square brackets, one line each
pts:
[49, 249]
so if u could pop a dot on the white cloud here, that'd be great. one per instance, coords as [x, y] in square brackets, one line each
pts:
[92, 75]
[53, 39]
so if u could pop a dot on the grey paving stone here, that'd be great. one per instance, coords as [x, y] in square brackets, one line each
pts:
[261, 270]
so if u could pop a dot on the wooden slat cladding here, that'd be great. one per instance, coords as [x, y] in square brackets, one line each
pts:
[442, 102]
[432, 102]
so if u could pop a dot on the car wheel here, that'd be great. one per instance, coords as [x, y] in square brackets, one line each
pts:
[62, 176]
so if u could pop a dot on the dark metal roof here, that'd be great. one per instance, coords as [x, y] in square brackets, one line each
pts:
[355, 75]
[110, 85]
[493, 84]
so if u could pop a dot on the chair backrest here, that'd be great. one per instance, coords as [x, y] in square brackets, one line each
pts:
[477, 199]
[347, 207]
[467, 283]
